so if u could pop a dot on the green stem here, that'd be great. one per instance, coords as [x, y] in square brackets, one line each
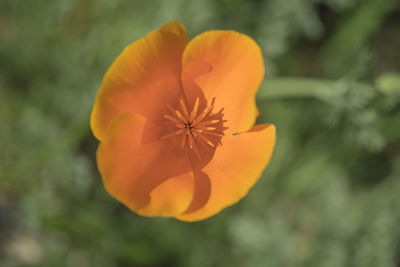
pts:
[298, 87]
[387, 84]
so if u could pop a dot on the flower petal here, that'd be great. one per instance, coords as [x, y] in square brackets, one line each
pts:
[151, 179]
[171, 197]
[143, 77]
[229, 66]
[235, 168]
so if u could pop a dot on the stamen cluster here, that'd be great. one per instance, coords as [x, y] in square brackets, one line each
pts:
[194, 125]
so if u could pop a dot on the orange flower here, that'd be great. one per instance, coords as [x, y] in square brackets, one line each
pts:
[175, 120]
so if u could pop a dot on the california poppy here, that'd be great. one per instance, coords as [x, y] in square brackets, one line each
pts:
[175, 121]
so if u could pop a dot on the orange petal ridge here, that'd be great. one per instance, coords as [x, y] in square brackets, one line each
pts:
[235, 168]
[229, 66]
[142, 176]
[144, 76]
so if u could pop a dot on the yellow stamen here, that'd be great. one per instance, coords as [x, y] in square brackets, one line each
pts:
[195, 125]
[183, 141]
[206, 128]
[205, 139]
[214, 134]
[195, 108]
[179, 115]
[191, 141]
[171, 119]
[184, 108]
[201, 116]
[204, 123]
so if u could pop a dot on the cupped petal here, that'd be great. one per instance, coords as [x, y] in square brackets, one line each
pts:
[149, 178]
[171, 197]
[235, 168]
[229, 66]
[142, 78]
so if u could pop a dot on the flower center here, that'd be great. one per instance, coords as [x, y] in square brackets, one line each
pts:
[200, 127]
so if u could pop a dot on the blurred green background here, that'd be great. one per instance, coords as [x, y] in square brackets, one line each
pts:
[330, 196]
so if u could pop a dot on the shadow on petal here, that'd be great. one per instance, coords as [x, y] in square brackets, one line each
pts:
[202, 191]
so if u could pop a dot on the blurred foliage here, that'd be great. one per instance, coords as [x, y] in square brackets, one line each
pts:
[330, 196]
